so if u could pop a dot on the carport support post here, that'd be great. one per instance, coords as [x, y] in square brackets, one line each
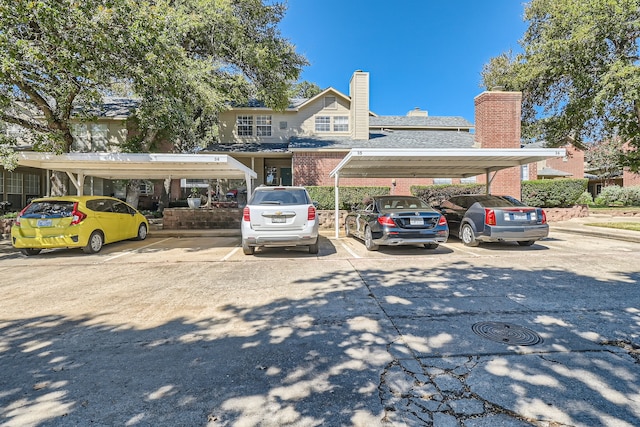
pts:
[489, 180]
[247, 179]
[336, 219]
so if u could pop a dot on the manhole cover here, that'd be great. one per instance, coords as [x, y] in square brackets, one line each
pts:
[506, 333]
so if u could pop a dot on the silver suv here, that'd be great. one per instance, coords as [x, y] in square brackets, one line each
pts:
[280, 217]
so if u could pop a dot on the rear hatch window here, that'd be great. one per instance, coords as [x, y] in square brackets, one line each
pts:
[48, 217]
[280, 197]
[49, 209]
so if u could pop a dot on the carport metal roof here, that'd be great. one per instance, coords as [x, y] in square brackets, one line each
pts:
[434, 163]
[139, 166]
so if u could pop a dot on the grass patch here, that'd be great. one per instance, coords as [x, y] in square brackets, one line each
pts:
[634, 226]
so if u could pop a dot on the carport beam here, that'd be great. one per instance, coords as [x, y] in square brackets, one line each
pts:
[77, 181]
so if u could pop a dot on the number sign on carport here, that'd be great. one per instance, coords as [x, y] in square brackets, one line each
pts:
[433, 163]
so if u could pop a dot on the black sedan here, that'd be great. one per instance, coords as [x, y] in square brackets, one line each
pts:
[479, 218]
[397, 220]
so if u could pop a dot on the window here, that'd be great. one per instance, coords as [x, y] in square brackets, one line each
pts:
[524, 170]
[263, 125]
[441, 181]
[244, 125]
[99, 137]
[283, 125]
[469, 180]
[330, 103]
[14, 183]
[32, 184]
[341, 124]
[323, 124]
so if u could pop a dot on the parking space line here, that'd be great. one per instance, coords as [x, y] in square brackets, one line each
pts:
[461, 250]
[230, 254]
[353, 254]
[136, 250]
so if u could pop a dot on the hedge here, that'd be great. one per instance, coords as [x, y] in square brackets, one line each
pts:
[553, 193]
[435, 194]
[349, 196]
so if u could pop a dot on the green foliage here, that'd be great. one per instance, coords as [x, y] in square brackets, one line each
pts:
[614, 195]
[552, 193]
[579, 73]
[435, 194]
[349, 196]
[185, 61]
[585, 199]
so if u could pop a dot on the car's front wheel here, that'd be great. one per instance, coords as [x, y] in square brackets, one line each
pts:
[30, 251]
[368, 240]
[431, 246]
[525, 242]
[96, 240]
[142, 232]
[467, 235]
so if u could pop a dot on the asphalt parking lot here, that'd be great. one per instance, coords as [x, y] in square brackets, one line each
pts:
[189, 331]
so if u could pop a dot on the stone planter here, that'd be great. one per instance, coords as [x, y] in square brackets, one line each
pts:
[194, 202]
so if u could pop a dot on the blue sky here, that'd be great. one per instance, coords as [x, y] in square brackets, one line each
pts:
[419, 53]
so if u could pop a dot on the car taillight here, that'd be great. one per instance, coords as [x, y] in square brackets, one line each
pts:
[77, 216]
[311, 213]
[442, 221]
[246, 215]
[544, 216]
[489, 217]
[386, 221]
[16, 222]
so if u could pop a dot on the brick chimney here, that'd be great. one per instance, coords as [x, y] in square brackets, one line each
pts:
[497, 125]
[359, 116]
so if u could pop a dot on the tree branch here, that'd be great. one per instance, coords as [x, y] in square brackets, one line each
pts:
[24, 123]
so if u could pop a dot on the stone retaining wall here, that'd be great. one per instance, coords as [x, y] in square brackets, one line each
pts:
[563, 214]
[202, 218]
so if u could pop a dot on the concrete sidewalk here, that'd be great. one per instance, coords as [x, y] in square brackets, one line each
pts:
[584, 226]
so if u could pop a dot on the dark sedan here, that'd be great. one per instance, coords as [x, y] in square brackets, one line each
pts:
[479, 218]
[397, 220]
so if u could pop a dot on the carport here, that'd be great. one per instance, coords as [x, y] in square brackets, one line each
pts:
[433, 163]
[139, 166]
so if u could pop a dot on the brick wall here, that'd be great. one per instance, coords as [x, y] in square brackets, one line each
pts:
[630, 178]
[497, 120]
[572, 163]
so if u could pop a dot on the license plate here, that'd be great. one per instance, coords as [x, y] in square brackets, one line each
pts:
[416, 221]
[44, 223]
[520, 217]
[278, 220]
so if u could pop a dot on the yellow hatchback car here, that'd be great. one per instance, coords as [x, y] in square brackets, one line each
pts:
[86, 222]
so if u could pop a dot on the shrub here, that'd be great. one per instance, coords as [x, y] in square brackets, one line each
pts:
[585, 199]
[435, 194]
[614, 195]
[349, 196]
[552, 193]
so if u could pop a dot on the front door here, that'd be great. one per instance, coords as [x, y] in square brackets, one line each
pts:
[285, 175]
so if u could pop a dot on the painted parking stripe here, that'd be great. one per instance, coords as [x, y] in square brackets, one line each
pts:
[136, 250]
[230, 254]
[346, 248]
